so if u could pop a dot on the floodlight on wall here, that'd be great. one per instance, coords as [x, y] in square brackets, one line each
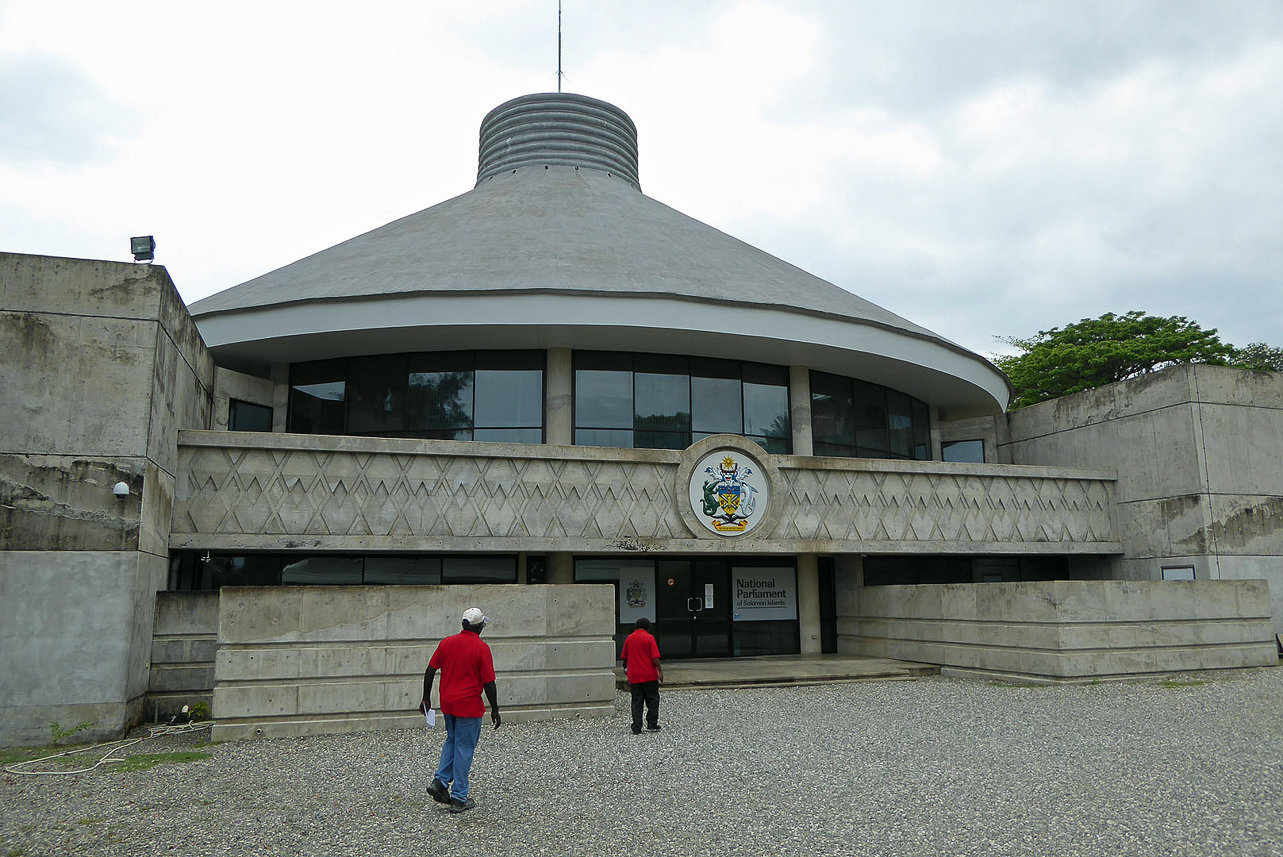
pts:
[143, 247]
[120, 489]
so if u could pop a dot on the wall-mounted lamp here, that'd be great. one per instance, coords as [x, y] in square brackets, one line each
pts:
[143, 247]
[120, 489]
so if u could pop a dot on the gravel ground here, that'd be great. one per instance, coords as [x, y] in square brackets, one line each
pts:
[937, 766]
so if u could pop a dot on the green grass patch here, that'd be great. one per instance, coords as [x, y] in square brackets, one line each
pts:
[1015, 684]
[1182, 682]
[147, 761]
[14, 755]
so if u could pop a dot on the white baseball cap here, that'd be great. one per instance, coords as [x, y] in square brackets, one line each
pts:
[474, 617]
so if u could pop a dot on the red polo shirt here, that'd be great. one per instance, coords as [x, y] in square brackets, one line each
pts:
[466, 665]
[640, 650]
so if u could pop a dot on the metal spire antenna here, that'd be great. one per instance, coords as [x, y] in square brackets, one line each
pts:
[559, 74]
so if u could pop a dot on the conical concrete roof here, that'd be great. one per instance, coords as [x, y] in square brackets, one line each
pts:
[557, 246]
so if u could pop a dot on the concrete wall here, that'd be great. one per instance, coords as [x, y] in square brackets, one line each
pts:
[100, 367]
[1063, 630]
[303, 660]
[1200, 477]
[183, 644]
[229, 384]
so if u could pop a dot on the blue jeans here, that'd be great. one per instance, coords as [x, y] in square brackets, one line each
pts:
[461, 735]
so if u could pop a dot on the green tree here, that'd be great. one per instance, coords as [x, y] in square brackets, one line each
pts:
[1259, 356]
[1098, 351]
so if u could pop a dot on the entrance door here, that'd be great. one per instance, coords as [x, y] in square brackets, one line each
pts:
[693, 611]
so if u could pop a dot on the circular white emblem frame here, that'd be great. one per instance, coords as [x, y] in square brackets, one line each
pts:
[725, 487]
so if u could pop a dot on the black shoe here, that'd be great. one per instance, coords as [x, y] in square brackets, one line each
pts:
[654, 728]
[636, 731]
[461, 805]
[438, 791]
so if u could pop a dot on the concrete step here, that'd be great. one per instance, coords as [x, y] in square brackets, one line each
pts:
[783, 670]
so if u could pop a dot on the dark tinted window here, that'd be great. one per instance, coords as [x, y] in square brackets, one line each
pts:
[766, 406]
[443, 395]
[855, 418]
[661, 402]
[377, 395]
[509, 395]
[603, 398]
[717, 397]
[668, 402]
[247, 416]
[965, 451]
[871, 434]
[832, 415]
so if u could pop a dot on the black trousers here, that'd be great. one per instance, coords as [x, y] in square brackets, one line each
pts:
[645, 692]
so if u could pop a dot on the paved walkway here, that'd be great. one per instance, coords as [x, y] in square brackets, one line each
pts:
[921, 768]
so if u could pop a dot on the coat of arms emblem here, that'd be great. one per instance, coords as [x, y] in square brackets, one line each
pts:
[729, 497]
[636, 594]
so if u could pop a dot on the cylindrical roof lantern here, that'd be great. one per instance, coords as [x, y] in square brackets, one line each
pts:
[558, 129]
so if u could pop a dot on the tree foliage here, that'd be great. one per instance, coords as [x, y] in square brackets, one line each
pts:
[1258, 356]
[1098, 351]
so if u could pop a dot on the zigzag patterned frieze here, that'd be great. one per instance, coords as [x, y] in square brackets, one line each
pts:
[289, 492]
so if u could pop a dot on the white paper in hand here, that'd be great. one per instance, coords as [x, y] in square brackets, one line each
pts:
[431, 716]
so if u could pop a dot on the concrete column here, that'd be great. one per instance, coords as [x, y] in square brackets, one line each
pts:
[280, 375]
[522, 569]
[808, 603]
[561, 568]
[935, 434]
[849, 583]
[559, 413]
[800, 411]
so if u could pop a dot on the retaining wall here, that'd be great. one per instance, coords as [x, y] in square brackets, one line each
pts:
[303, 660]
[1065, 629]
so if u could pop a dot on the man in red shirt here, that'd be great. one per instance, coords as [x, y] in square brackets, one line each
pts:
[641, 665]
[467, 668]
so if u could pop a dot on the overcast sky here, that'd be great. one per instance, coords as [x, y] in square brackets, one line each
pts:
[981, 168]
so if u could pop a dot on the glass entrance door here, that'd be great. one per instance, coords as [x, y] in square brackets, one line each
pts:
[693, 611]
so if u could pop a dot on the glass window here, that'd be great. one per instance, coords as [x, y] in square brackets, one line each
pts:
[661, 388]
[717, 401]
[422, 394]
[921, 431]
[832, 415]
[603, 391]
[403, 570]
[509, 391]
[676, 400]
[440, 395]
[324, 570]
[250, 570]
[509, 398]
[376, 395]
[621, 438]
[766, 413]
[318, 396]
[247, 416]
[508, 435]
[871, 436]
[963, 451]
[479, 569]
[900, 423]
[859, 419]
[191, 570]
